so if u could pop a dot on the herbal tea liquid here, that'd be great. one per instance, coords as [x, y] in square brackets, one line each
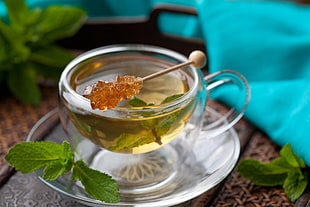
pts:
[141, 131]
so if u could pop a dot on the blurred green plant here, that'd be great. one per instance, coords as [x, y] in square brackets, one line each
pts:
[28, 49]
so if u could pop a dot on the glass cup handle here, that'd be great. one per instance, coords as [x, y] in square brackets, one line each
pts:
[228, 120]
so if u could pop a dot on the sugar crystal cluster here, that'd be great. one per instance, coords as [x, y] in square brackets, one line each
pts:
[105, 95]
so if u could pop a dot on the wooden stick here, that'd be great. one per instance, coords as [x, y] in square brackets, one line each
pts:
[197, 58]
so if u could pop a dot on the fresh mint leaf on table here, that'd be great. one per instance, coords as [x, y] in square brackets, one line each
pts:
[57, 160]
[27, 46]
[288, 170]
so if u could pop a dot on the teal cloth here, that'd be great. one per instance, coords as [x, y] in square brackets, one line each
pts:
[266, 41]
[269, 43]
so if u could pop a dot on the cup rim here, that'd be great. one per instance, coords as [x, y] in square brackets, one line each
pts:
[65, 76]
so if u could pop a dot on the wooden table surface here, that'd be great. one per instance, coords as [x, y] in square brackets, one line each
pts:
[17, 119]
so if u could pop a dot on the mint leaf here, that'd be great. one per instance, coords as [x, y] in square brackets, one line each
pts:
[128, 141]
[149, 123]
[61, 166]
[48, 54]
[20, 15]
[97, 185]
[262, 174]
[293, 159]
[57, 22]
[43, 61]
[281, 162]
[25, 88]
[30, 156]
[295, 183]
[53, 171]
[171, 98]
[156, 127]
[13, 45]
[136, 102]
[163, 126]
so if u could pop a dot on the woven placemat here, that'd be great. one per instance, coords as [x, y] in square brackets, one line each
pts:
[17, 119]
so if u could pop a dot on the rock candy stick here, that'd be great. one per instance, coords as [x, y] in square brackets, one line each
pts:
[105, 95]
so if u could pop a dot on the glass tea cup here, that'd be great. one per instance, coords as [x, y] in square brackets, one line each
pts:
[144, 143]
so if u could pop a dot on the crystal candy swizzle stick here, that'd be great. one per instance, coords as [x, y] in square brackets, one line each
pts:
[105, 95]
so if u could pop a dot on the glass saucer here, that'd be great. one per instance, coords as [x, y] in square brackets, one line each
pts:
[217, 157]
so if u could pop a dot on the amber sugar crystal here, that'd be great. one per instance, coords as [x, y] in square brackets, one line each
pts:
[105, 95]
